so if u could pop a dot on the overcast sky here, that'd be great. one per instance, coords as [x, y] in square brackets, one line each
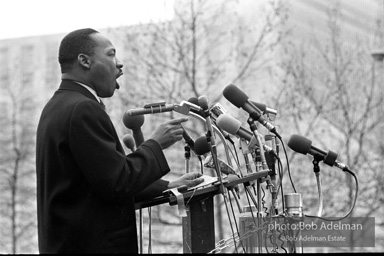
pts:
[20, 18]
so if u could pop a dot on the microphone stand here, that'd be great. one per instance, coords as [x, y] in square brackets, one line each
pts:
[253, 128]
[316, 169]
[212, 145]
[262, 156]
[272, 173]
[211, 142]
[187, 154]
[223, 140]
[141, 230]
[217, 131]
[245, 150]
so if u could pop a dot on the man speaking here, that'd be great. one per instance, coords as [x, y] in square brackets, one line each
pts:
[86, 185]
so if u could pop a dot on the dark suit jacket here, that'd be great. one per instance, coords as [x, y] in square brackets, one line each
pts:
[85, 183]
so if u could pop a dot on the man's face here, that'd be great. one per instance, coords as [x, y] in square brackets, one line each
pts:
[105, 68]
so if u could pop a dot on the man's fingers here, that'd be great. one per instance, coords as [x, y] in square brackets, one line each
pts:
[178, 120]
[195, 175]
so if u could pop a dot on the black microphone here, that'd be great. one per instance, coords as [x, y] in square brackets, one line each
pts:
[188, 139]
[304, 146]
[238, 98]
[201, 146]
[194, 100]
[233, 126]
[134, 123]
[129, 142]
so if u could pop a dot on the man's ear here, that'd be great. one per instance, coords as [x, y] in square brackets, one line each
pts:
[84, 60]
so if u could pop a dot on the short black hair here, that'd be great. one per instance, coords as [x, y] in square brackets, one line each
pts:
[76, 42]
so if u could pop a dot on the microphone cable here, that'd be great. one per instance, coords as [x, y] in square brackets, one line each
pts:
[281, 175]
[288, 168]
[353, 203]
[236, 225]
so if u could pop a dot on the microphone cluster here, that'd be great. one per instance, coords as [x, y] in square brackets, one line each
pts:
[217, 119]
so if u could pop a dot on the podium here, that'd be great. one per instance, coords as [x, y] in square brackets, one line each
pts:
[199, 224]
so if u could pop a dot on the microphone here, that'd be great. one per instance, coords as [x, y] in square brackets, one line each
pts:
[238, 98]
[216, 110]
[225, 168]
[183, 108]
[195, 101]
[269, 138]
[129, 142]
[189, 141]
[270, 141]
[303, 145]
[233, 126]
[134, 123]
[151, 110]
[293, 204]
[264, 108]
[203, 102]
[201, 146]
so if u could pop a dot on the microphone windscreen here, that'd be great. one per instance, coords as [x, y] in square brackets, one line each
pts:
[202, 146]
[234, 95]
[203, 102]
[194, 100]
[228, 124]
[133, 122]
[129, 142]
[299, 144]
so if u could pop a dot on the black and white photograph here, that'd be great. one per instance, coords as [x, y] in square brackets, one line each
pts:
[191, 126]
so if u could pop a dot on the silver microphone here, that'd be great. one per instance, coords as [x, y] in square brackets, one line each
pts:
[216, 110]
[293, 204]
[183, 108]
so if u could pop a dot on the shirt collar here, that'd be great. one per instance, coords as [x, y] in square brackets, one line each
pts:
[89, 89]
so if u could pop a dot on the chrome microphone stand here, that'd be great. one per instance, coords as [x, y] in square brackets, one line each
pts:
[316, 169]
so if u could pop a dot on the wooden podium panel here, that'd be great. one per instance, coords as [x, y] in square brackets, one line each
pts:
[198, 226]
